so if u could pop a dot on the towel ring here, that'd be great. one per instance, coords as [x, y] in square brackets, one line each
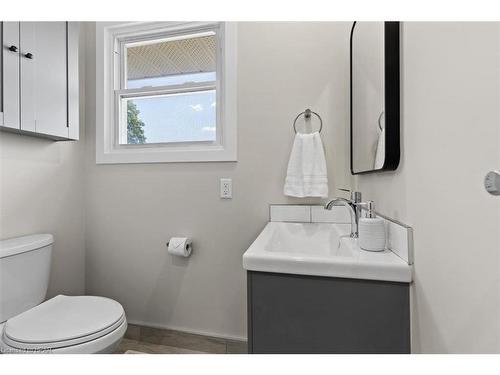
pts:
[307, 114]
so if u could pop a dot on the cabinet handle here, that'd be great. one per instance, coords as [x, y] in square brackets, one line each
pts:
[13, 48]
[28, 55]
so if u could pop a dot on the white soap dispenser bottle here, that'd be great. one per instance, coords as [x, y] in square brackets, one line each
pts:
[371, 230]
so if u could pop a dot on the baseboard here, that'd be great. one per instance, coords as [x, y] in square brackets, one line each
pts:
[186, 330]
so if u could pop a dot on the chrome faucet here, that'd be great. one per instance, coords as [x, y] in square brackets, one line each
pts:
[354, 206]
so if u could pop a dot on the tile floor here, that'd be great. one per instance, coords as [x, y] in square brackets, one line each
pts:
[164, 341]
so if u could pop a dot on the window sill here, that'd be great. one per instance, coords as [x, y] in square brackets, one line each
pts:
[167, 155]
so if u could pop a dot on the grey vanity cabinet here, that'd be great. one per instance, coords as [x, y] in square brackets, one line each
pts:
[310, 314]
[39, 79]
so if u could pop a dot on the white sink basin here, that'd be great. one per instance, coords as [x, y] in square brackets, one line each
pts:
[321, 249]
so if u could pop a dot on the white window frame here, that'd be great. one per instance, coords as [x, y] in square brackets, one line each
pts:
[109, 79]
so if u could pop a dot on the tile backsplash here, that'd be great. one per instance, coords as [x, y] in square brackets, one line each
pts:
[290, 213]
[337, 215]
[399, 239]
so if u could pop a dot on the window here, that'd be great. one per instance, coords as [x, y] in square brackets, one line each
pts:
[168, 92]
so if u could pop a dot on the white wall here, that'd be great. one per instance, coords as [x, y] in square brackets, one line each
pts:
[42, 191]
[451, 138]
[132, 210]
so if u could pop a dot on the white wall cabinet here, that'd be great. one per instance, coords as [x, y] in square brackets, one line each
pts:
[39, 79]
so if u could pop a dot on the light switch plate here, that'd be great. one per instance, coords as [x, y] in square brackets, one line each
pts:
[226, 188]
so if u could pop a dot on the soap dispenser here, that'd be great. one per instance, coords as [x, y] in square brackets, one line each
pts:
[371, 230]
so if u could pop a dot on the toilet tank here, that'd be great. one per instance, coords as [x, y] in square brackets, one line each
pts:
[24, 273]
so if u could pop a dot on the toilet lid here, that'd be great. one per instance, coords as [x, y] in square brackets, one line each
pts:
[64, 319]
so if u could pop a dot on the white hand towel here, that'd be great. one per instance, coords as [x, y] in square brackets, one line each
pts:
[380, 151]
[306, 174]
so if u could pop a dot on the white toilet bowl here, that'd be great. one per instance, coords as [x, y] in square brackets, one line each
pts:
[63, 324]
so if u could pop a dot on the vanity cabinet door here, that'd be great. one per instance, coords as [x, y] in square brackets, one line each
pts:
[9, 97]
[297, 314]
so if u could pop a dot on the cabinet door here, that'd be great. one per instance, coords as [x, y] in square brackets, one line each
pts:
[10, 75]
[51, 88]
[27, 72]
[73, 80]
[300, 314]
[1, 76]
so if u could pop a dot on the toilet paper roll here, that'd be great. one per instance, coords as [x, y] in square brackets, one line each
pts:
[180, 246]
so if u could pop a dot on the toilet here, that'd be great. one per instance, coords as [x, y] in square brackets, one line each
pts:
[63, 324]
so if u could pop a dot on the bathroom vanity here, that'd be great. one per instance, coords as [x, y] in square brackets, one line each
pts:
[306, 314]
[311, 289]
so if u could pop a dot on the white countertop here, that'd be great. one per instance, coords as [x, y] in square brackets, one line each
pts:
[321, 249]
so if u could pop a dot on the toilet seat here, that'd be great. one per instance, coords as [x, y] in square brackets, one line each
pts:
[63, 321]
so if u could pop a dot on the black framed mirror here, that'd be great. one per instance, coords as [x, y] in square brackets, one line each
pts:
[374, 67]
